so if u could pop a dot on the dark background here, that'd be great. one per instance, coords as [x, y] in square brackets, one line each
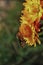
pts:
[11, 53]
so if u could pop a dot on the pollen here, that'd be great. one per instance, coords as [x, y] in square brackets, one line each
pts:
[30, 22]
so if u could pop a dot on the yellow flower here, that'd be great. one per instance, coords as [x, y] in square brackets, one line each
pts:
[30, 22]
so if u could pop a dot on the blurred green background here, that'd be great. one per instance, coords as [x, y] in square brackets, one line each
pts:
[11, 52]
